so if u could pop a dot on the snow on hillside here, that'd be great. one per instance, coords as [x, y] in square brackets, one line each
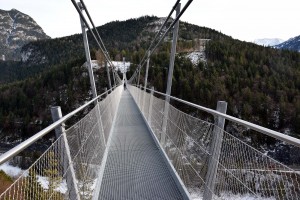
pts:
[157, 24]
[10, 170]
[196, 56]
[15, 172]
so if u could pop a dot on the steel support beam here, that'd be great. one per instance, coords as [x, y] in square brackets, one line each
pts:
[113, 73]
[88, 56]
[150, 105]
[138, 81]
[170, 76]
[146, 77]
[65, 150]
[215, 150]
[108, 75]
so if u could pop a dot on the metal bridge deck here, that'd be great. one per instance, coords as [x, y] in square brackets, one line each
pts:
[135, 168]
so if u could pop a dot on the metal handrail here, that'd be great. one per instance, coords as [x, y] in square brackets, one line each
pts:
[261, 129]
[20, 147]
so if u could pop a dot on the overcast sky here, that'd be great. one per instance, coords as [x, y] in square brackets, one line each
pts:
[244, 20]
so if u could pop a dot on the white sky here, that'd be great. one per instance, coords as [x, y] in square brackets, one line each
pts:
[244, 20]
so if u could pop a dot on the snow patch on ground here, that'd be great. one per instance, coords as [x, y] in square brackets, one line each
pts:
[10, 170]
[189, 142]
[157, 24]
[94, 64]
[87, 188]
[62, 186]
[244, 197]
[228, 196]
[15, 172]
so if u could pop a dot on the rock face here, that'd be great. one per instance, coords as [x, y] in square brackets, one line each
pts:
[17, 29]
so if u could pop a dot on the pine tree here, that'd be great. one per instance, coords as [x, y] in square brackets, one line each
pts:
[53, 174]
[33, 188]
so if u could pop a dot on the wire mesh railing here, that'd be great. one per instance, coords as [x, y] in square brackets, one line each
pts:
[242, 172]
[69, 168]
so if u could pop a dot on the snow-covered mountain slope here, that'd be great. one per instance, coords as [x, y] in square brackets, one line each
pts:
[17, 29]
[268, 41]
[292, 44]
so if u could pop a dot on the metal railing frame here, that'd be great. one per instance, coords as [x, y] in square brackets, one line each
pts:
[280, 136]
[20, 147]
[217, 133]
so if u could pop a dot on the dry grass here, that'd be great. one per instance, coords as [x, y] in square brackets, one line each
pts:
[5, 181]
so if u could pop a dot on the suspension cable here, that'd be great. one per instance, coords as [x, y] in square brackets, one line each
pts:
[91, 31]
[176, 19]
[88, 14]
[157, 34]
[101, 41]
[163, 36]
[162, 26]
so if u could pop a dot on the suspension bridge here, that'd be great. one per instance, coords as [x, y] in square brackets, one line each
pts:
[134, 144]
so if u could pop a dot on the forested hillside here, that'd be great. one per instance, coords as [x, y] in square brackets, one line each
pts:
[25, 105]
[260, 84]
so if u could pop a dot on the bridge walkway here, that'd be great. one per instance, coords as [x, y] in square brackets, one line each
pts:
[135, 167]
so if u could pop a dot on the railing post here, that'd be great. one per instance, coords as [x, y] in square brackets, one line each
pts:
[56, 115]
[138, 81]
[108, 75]
[215, 150]
[71, 177]
[141, 106]
[106, 96]
[170, 76]
[146, 78]
[124, 72]
[139, 95]
[150, 105]
[105, 91]
[88, 57]
[100, 125]
[113, 73]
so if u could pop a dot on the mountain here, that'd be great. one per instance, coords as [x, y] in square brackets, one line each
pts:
[261, 84]
[268, 41]
[291, 44]
[121, 37]
[16, 30]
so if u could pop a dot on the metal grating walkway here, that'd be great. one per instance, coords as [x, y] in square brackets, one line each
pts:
[135, 168]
